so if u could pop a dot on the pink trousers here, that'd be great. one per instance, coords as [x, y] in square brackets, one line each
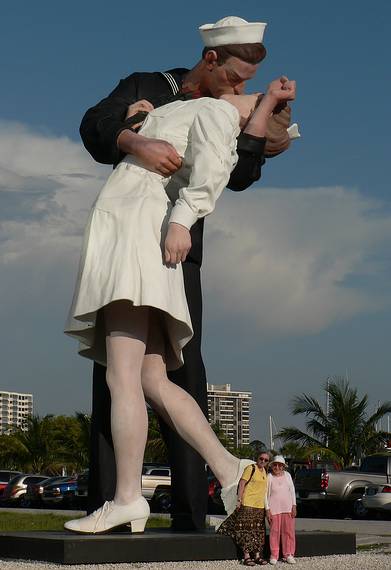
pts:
[282, 527]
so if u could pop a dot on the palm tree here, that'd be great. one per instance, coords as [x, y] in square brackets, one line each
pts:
[258, 446]
[294, 450]
[83, 447]
[221, 436]
[72, 434]
[34, 446]
[156, 449]
[243, 451]
[10, 452]
[346, 432]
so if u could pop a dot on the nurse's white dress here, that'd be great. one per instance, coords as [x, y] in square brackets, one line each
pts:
[122, 254]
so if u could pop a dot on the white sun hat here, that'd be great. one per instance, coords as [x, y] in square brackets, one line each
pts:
[278, 459]
[232, 30]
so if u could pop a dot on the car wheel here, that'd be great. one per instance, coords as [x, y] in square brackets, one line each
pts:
[162, 502]
[359, 510]
[24, 503]
[68, 502]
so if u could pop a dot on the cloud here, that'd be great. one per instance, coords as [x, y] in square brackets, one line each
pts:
[287, 261]
[47, 185]
[295, 261]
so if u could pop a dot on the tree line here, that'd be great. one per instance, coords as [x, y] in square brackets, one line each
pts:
[344, 433]
[56, 444]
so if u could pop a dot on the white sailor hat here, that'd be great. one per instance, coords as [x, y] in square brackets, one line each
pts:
[232, 30]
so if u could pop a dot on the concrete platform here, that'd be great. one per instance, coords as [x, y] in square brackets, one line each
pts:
[152, 546]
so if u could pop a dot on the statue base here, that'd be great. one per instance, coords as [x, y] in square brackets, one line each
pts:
[155, 545]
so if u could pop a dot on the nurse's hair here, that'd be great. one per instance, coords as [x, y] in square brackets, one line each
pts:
[250, 53]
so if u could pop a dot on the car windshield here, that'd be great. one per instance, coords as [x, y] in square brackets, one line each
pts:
[5, 476]
[14, 480]
[51, 480]
[31, 479]
[149, 468]
[83, 475]
[62, 480]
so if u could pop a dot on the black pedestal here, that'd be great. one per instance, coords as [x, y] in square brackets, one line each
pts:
[152, 546]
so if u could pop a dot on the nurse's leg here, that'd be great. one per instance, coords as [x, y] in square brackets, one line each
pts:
[179, 409]
[126, 335]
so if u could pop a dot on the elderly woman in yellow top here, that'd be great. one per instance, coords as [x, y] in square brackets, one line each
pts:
[246, 525]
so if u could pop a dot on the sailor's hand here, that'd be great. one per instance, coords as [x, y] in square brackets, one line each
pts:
[177, 244]
[153, 154]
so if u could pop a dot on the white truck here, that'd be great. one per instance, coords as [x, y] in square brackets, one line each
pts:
[341, 491]
[156, 487]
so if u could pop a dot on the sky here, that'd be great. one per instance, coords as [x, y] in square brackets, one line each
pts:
[297, 268]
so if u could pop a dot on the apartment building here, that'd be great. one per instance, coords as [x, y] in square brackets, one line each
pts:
[14, 408]
[231, 410]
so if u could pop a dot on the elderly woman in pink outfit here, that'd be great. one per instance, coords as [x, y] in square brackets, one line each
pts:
[280, 507]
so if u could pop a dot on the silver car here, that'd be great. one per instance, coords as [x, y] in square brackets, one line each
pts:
[17, 486]
[377, 498]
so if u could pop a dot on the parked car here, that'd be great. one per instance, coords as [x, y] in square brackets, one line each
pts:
[377, 499]
[81, 491]
[215, 503]
[340, 490]
[156, 486]
[60, 493]
[5, 477]
[17, 486]
[33, 496]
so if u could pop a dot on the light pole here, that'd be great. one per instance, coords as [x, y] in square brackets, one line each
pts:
[327, 405]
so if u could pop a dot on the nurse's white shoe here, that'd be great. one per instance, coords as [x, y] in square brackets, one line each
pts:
[229, 494]
[110, 516]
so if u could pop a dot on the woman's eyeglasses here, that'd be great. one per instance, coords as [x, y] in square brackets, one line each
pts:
[264, 459]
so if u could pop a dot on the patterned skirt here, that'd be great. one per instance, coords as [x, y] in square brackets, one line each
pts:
[246, 527]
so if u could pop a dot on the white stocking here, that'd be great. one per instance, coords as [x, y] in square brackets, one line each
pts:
[179, 409]
[127, 330]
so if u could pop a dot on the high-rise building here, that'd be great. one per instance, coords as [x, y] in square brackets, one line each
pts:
[231, 410]
[14, 409]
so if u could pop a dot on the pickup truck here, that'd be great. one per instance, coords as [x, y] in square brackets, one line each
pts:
[156, 487]
[325, 486]
[155, 481]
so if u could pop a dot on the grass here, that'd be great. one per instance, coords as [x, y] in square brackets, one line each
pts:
[369, 547]
[30, 522]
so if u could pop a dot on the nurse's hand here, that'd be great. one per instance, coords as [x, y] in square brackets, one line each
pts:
[142, 105]
[153, 154]
[177, 244]
[142, 108]
[282, 89]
